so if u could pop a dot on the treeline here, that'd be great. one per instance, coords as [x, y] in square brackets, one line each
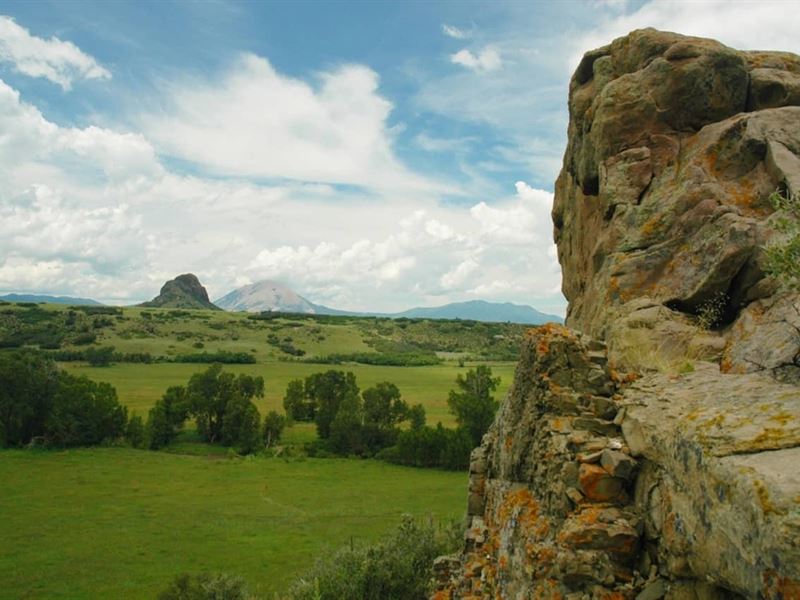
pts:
[40, 404]
[388, 359]
[105, 355]
[378, 422]
[43, 405]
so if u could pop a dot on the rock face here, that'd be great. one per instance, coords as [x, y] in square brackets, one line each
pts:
[675, 145]
[589, 485]
[185, 291]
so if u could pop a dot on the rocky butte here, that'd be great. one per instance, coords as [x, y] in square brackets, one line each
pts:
[185, 291]
[650, 448]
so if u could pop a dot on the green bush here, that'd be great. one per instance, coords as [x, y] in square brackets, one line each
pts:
[397, 567]
[783, 253]
[84, 339]
[100, 357]
[206, 586]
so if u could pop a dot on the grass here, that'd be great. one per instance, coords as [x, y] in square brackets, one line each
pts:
[140, 385]
[120, 523]
[167, 333]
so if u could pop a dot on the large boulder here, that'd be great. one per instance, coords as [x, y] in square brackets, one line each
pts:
[675, 145]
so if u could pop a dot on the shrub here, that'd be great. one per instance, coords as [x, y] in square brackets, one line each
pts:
[84, 339]
[399, 566]
[206, 586]
[711, 312]
[100, 357]
[783, 253]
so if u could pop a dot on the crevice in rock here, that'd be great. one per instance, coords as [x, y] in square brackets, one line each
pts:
[591, 186]
[747, 452]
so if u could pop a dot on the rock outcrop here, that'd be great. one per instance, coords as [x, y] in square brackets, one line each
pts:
[675, 145]
[185, 291]
[590, 485]
[654, 453]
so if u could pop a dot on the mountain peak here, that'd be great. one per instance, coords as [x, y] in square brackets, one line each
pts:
[266, 295]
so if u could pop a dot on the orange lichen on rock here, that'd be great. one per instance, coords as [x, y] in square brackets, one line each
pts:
[780, 587]
[597, 485]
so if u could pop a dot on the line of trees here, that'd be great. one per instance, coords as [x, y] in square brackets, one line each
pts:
[378, 422]
[102, 356]
[41, 404]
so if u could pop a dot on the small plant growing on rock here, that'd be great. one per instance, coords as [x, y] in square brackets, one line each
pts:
[711, 311]
[783, 253]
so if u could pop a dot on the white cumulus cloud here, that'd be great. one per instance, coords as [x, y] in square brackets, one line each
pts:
[257, 122]
[454, 32]
[487, 59]
[54, 59]
[769, 25]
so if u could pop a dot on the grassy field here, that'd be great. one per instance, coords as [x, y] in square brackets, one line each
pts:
[119, 523]
[140, 385]
[166, 333]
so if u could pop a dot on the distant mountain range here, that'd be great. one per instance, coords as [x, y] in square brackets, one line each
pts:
[49, 299]
[481, 310]
[273, 296]
[186, 291]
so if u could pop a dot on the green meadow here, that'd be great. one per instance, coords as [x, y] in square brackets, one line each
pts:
[121, 523]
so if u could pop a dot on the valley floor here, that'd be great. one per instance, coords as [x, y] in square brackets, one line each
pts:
[121, 523]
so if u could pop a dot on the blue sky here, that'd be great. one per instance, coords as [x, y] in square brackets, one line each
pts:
[371, 155]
